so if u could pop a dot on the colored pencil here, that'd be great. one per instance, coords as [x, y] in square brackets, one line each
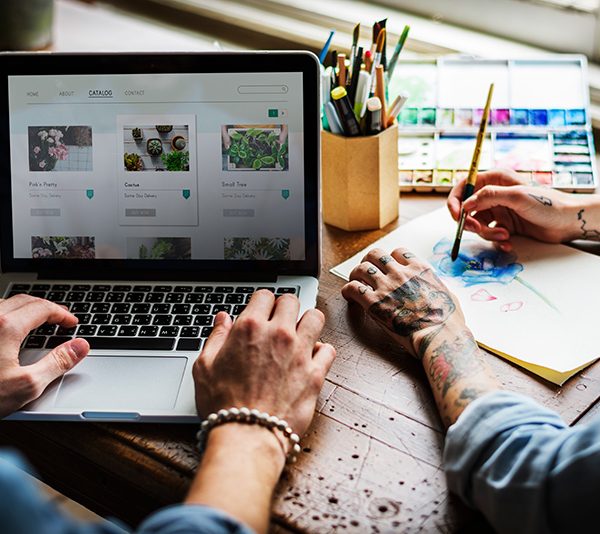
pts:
[397, 50]
[341, 61]
[325, 49]
[472, 177]
[380, 92]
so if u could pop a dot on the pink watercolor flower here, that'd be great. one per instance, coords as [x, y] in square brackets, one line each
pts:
[42, 164]
[36, 149]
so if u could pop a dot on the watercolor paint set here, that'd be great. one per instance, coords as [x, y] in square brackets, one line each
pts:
[540, 125]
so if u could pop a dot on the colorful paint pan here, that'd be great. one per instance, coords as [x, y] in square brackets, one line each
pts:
[409, 116]
[519, 117]
[583, 178]
[427, 116]
[542, 178]
[443, 177]
[500, 117]
[445, 117]
[575, 117]
[463, 118]
[557, 117]
[538, 117]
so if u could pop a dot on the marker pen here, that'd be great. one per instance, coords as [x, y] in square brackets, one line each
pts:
[374, 122]
[335, 126]
[345, 112]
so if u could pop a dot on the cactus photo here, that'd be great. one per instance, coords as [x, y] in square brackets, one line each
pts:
[149, 147]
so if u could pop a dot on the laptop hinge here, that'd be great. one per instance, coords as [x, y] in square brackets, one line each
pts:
[159, 276]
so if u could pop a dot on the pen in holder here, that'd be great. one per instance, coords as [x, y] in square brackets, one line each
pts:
[360, 180]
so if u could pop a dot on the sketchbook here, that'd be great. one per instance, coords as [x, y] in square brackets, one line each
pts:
[535, 306]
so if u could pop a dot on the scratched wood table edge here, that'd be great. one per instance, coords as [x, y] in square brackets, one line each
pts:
[177, 472]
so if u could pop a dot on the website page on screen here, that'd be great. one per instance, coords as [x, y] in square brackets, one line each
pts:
[160, 166]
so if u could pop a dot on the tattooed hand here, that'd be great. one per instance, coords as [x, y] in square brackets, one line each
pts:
[404, 295]
[412, 303]
[506, 205]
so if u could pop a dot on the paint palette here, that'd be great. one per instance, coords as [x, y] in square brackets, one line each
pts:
[539, 123]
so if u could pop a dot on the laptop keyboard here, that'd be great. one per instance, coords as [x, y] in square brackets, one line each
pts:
[139, 316]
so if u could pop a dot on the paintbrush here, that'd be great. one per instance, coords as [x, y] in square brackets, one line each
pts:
[382, 24]
[472, 177]
[376, 61]
[355, 75]
[355, 36]
[397, 50]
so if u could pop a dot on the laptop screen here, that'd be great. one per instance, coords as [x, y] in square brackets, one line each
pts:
[158, 166]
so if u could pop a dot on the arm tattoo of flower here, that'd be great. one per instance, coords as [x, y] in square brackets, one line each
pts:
[452, 361]
[586, 233]
[417, 304]
[545, 201]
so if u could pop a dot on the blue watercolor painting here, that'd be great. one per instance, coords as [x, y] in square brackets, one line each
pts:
[480, 263]
[477, 263]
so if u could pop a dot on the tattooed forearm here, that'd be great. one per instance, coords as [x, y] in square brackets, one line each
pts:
[468, 395]
[587, 233]
[417, 304]
[542, 199]
[452, 361]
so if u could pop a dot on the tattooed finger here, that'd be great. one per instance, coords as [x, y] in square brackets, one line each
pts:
[384, 260]
[363, 289]
[403, 256]
[359, 292]
[371, 270]
[408, 255]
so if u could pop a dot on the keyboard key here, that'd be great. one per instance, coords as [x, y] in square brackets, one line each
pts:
[55, 295]
[183, 320]
[221, 307]
[182, 289]
[115, 297]
[80, 307]
[155, 297]
[87, 330]
[161, 308]
[135, 343]
[223, 289]
[201, 309]
[206, 331]
[148, 331]
[271, 289]
[20, 287]
[41, 287]
[203, 289]
[181, 308]
[55, 341]
[101, 318]
[94, 296]
[128, 331]
[190, 331]
[143, 289]
[38, 294]
[194, 298]
[35, 342]
[100, 307]
[61, 287]
[141, 319]
[169, 331]
[81, 287]
[75, 296]
[203, 320]
[189, 344]
[234, 298]
[121, 288]
[162, 289]
[238, 309]
[101, 287]
[120, 307]
[107, 330]
[121, 318]
[162, 319]
[176, 297]
[63, 331]
[284, 290]
[84, 318]
[215, 298]
[248, 298]
[134, 297]
[45, 330]
[244, 289]
[64, 304]
[140, 308]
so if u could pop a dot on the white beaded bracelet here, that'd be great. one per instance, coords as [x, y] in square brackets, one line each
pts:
[251, 417]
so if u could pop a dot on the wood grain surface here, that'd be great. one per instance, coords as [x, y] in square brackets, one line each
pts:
[373, 455]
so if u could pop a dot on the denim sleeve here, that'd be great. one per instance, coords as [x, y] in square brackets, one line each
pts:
[23, 510]
[523, 467]
[192, 519]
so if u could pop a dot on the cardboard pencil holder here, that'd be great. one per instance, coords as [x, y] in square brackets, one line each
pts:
[360, 180]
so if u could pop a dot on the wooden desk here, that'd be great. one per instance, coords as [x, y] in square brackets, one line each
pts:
[372, 460]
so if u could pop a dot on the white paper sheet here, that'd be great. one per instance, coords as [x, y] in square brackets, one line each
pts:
[545, 317]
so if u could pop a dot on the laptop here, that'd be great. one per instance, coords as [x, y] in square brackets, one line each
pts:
[147, 192]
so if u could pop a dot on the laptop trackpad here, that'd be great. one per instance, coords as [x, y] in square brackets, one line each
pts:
[122, 383]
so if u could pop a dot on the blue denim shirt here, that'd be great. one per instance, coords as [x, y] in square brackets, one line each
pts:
[23, 510]
[523, 467]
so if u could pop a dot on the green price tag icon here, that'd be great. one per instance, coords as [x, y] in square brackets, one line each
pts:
[285, 193]
[89, 193]
[273, 113]
[186, 193]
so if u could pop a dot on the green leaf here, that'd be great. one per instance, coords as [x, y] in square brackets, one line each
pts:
[267, 160]
[257, 164]
[281, 162]
[236, 136]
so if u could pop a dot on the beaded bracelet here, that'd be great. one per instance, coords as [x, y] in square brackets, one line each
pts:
[251, 417]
